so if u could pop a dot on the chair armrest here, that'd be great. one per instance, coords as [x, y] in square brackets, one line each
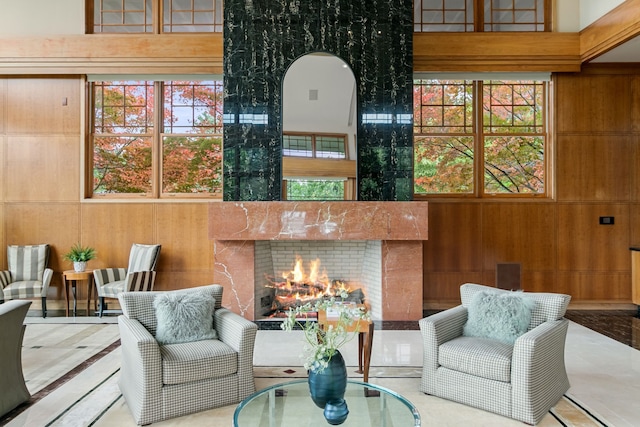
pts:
[46, 281]
[240, 334]
[443, 326]
[5, 279]
[538, 372]
[140, 281]
[436, 330]
[141, 367]
[103, 276]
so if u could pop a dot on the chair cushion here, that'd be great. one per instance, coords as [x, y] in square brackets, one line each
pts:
[500, 316]
[184, 317]
[112, 289]
[143, 257]
[25, 289]
[480, 357]
[27, 263]
[197, 360]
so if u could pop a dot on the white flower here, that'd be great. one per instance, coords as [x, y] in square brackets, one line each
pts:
[321, 344]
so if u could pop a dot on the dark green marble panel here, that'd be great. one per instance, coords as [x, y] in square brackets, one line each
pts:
[262, 39]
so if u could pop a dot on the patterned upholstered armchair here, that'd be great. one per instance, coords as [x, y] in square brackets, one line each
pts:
[13, 391]
[28, 275]
[140, 275]
[161, 380]
[522, 380]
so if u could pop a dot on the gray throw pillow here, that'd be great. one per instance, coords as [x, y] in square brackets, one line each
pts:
[500, 316]
[184, 317]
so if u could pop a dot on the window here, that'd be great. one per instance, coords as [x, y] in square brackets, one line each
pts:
[121, 16]
[323, 146]
[138, 16]
[481, 15]
[315, 189]
[461, 127]
[157, 147]
[183, 16]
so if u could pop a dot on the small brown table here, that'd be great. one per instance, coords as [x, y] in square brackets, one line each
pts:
[71, 278]
[365, 339]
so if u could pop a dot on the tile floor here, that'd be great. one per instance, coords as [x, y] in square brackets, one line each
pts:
[604, 371]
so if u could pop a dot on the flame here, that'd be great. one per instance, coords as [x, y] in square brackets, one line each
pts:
[307, 287]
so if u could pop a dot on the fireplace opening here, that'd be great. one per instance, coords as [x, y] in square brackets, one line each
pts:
[297, 287]
[294, 273]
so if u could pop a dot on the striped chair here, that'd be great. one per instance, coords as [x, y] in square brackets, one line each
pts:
[28, 275]
[139, 276]
[162, 381]
[520, 381]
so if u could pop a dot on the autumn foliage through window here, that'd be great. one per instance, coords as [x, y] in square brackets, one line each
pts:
[183, 130]
[497, 127]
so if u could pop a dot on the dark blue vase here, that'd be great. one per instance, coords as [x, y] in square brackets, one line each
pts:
[336, 412]
[327, 389]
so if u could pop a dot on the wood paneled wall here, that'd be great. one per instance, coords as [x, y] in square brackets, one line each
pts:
[41, 145]
[559, 243]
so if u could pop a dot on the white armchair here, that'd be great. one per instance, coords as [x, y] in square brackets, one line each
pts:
[28, 275]
[161, 381]
[522, 380]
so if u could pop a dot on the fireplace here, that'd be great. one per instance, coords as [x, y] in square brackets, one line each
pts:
[315, 270]
[245, 234]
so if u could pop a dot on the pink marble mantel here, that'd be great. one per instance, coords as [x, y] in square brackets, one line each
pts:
[401, 226]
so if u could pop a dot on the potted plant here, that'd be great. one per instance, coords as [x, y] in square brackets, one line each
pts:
[79, 255]
[322, 358]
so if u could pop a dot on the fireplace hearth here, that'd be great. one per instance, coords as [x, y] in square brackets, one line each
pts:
[387, 236]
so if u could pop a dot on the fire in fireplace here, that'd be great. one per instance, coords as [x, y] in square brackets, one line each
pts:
[296, 287]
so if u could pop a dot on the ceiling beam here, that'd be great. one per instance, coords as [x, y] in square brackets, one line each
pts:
[202, 53]
[485, 52]
[611, 30]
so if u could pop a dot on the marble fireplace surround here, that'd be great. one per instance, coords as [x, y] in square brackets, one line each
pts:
[401, 227]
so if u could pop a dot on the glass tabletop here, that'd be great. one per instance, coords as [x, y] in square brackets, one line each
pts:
[290, 404]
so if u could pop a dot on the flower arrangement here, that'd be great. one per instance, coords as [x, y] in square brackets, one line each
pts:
[322, 344]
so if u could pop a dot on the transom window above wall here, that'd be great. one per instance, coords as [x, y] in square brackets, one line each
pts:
[482, 15]
[480, 138]
[205, 16]
[155, 139]
[321, 146]
[154, 16]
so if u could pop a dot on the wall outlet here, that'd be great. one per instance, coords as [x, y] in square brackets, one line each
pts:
[606, 220]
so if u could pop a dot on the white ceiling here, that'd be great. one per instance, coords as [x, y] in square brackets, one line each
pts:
[627, 52]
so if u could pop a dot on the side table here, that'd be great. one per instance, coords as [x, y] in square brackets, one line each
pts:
[71, 278]
[365, 339]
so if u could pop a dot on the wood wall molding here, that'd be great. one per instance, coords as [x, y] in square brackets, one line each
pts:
[112, 53]
[482, 52]
[202, 53]
[616, 27]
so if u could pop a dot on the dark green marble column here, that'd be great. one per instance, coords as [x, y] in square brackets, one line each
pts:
[263, 37]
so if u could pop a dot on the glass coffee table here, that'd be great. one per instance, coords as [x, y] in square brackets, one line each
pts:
[290, 405]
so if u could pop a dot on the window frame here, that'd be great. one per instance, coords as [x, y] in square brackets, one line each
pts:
[314, 137]
[157, 136]
[477, 14]
[157, 23]
[479, 136]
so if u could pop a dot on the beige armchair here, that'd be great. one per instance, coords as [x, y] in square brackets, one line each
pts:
[522, 380]
[13, 391]
[28, 275]
[140, 275]
[161, 381]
